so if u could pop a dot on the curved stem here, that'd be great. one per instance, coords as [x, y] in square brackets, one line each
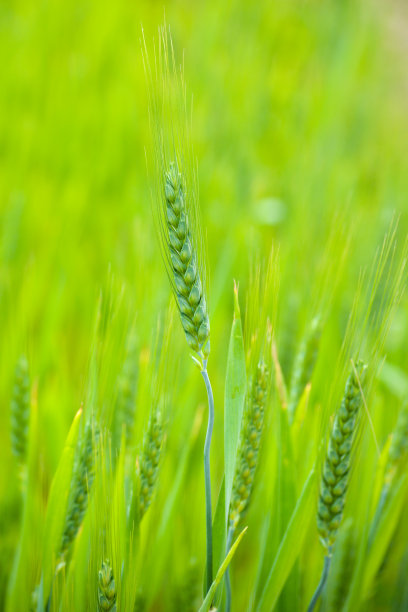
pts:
[207, 475]
[321, 584]
[228, 591]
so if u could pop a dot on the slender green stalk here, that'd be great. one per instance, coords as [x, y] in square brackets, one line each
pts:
[207, 474]
[320, 586]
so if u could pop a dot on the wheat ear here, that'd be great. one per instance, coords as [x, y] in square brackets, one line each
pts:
[20, 412]
[336, 469]
[149, 461]
[247, 457]
[80, 487]
[106, 588]
[249, 444]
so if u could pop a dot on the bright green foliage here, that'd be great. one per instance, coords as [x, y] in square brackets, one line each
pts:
[189, 291]
[149, 460]
[80, 487]
[337, 463]
[106, 588]
[249, 444]
[298, 122]
[20, 411]
[304, 364]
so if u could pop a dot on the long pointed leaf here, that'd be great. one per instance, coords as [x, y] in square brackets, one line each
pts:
[211, 593]
[235, 388]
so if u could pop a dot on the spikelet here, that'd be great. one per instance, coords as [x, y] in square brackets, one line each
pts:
[249, 444]
[149, 460]
[336, 468]
[399, 443]
[304, 365]
[106, 588]
[187, 284]
[20, 411]
[80, 487]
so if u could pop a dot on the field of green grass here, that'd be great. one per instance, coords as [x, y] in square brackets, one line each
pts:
[300, 137]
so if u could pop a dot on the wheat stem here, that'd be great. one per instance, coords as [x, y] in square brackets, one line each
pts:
[207, 474]
[320, 586]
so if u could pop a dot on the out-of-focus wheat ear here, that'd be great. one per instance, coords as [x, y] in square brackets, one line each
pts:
[106, 588]
[20, 413]
[80, 487]
[335, 476]
[249, 444]
[183, 264]
[149, 460]
[304, 365]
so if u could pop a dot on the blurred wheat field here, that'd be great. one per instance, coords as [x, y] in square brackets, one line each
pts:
[299, 127]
